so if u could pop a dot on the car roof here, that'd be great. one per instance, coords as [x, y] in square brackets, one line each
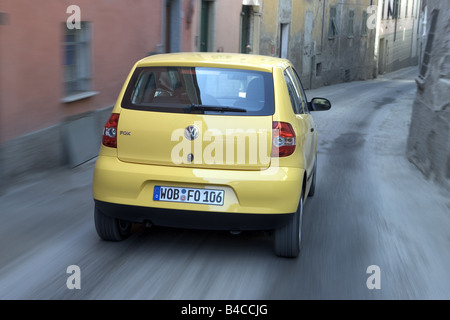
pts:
[215, 59]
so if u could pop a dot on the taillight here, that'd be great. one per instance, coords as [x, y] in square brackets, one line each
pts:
[109, 138]
[283, 139]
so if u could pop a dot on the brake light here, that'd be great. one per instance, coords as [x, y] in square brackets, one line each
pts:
[283, 139]
[109, 138]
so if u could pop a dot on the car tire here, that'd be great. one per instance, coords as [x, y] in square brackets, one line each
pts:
[287, 239]
[109, 228]
[312, 189]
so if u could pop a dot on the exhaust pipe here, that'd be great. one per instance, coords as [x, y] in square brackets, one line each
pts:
[148, 224]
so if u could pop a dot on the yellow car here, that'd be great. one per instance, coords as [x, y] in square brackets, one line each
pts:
[212, 141]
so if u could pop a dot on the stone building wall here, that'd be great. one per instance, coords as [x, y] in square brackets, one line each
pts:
[429, 137]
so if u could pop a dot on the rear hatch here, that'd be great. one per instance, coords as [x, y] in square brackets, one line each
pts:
[236, 142]
[197, 117]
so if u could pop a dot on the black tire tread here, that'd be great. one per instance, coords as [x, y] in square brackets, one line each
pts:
[108, 227]
[286, 242]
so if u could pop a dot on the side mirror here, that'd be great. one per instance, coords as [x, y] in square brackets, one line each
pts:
[319, 104]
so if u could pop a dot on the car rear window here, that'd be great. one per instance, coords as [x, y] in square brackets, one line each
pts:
[200, 90]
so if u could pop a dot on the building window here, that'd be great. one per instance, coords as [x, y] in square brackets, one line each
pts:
[77, 62]
[364, 24]
[394, 10]
[407, 8]
[333, 29]
[319, 69]
[382, 10]
[351, 18]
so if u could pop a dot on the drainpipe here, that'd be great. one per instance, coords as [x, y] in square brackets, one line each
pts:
[396, 20]
[380, 9]
[3, 21]
[323, 25]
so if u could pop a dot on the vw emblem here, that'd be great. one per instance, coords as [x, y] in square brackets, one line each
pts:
[191, 132]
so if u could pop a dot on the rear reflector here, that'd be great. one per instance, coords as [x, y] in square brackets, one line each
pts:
[283, 139]
[109, 138]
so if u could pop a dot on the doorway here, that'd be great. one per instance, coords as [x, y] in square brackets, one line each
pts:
[172, 26]
[245, 29]
[167, 26]
[204, 25]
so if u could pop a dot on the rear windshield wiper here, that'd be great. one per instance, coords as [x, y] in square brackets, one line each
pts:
[202, 107]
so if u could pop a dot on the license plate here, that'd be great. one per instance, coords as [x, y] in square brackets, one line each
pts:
[189, 195]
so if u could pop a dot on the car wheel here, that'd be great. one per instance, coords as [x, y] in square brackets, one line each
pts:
[312, 189]
[287, 239]
[109, 228]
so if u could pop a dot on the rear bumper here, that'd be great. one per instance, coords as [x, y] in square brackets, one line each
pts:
[270, 192]
[193, 219]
